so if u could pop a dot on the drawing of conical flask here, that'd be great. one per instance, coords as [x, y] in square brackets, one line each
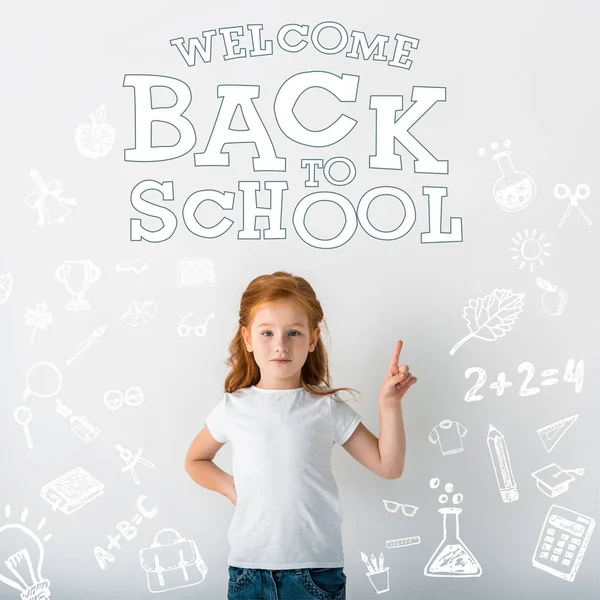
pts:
[515, 189]
[452, 558]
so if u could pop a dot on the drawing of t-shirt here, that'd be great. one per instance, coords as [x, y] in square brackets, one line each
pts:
[449, 435]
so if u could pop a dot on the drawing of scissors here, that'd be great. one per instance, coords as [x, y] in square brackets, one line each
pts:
[562, 191]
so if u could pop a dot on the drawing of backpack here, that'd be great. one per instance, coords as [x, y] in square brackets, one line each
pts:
[173, 565]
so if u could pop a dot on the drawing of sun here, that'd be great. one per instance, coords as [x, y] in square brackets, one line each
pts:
[530, 250]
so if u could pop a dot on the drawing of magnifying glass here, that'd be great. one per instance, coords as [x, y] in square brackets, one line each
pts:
[23, 416]
[408, 510]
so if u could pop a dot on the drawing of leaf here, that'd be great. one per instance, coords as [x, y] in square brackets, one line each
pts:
[491, 317]
[100, 116]
[5, 287]
[545, 285]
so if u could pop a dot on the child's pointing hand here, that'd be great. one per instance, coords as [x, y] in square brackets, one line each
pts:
[397, 380]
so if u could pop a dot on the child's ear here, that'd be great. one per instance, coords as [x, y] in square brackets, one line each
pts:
[246, 341]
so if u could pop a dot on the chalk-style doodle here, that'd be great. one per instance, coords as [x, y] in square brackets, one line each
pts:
[127, 530]
[71, 491]
[491, 317]
[49, 201]
[563, 540]
[553, 481]
[95, 139]
[131, 461]
[530, 250]
[408, 510]
[23, 416]
[403, 542]
[79, 425]
[448, 434]
[514, 190]
[172, 565]
[502, 468]
[43, 379]
[553, 299]
[200, 330]
[39, 317]
[6, 282]
[140, 313]
[137, 266]
[378, 576]
[77, 276]
[552, 434]
[98, 332]
[451, 558]
[528, 368]
[562, 191]
[23, 557]
[114, 399]
[193, 272]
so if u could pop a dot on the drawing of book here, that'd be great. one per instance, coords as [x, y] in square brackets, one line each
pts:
[71, 491]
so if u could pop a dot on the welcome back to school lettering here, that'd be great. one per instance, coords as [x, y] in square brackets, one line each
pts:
[388, 128]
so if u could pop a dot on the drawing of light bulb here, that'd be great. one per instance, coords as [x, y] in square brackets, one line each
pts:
[21, 570]
[514, 190]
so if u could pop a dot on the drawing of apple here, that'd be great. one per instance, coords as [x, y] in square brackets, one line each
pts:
[553, 299]
[96, 139]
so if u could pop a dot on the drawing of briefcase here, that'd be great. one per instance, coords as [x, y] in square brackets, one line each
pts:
[173, 565]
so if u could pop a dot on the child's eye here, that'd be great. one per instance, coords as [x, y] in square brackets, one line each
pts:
[292, 331]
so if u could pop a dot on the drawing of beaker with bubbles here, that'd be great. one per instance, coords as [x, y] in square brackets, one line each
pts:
[451, 558]
[514, 190]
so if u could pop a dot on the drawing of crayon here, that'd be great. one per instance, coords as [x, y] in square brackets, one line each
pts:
[501, 461]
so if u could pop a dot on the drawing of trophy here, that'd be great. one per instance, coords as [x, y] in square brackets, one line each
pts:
[78, 276]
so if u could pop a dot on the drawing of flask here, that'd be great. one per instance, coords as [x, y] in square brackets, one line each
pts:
[452, 558]
[515, 189]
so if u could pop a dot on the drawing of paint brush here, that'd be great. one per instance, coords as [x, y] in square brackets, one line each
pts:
[87, 342]
[365, 559]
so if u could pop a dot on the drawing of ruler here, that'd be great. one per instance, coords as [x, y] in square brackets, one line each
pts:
[551, 434]
[402, 542]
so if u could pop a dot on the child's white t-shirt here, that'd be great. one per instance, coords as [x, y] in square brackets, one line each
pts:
[288, 513]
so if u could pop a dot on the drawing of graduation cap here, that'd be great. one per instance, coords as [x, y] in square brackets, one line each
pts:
[553, 481]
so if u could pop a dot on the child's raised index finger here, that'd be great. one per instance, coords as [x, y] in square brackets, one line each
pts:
[396, 356]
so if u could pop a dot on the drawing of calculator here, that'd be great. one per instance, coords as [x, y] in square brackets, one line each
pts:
[563, 541]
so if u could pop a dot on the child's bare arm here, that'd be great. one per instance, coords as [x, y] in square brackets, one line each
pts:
[202, 469]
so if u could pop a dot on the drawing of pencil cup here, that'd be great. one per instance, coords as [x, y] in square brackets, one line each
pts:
[378, 576]
[78, 276]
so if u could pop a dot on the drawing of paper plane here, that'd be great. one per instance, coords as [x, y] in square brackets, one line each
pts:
[552, 434]
[140, 313]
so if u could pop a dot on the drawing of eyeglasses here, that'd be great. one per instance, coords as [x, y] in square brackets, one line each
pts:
[200, 330]
[114, 399]
[562, 191]
[408, 510]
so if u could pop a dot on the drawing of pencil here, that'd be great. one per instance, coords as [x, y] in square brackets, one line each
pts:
[501, 461]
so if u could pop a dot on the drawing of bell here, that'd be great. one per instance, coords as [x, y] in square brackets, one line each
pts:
[452, 558]
[515, 189]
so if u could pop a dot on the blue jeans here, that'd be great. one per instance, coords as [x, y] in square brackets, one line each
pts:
[286, 584]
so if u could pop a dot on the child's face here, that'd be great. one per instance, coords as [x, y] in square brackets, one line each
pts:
[280, 330]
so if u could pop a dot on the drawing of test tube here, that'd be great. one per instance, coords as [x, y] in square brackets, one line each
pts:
[501, 461]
